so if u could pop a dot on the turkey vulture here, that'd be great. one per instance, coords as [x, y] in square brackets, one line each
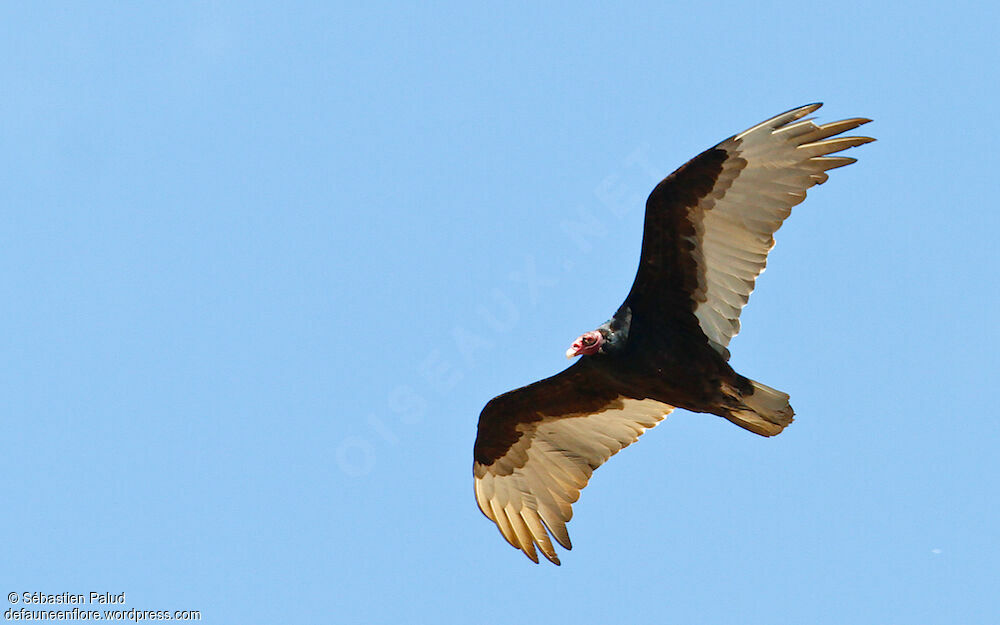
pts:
[708, 229]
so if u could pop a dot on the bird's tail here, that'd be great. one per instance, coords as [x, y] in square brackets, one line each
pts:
[765, 411]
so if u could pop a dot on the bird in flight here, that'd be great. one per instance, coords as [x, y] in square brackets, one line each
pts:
[708, 229]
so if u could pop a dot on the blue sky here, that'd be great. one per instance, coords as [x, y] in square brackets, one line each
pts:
[263, 264]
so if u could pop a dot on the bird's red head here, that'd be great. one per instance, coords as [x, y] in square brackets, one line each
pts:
[587, 344]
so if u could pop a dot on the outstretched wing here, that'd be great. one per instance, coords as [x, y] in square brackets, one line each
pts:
[537, 447]
[710, 224]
